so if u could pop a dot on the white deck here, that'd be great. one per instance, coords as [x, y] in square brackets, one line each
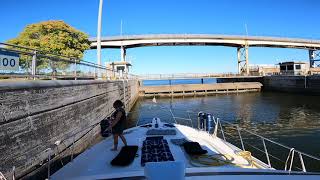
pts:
[94, 163]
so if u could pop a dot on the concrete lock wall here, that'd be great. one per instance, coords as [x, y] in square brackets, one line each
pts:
[240, 79]
[36, 115]
[296, 84]
[300, 84]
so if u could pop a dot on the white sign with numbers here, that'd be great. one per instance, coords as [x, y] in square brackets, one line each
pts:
[9, 61]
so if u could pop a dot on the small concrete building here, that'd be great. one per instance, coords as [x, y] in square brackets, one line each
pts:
[294, 68]
[120, 69]
[264, 70]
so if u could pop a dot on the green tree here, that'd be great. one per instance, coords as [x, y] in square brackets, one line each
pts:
[55, 37]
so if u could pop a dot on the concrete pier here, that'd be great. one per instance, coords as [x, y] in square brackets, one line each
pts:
[199, 89]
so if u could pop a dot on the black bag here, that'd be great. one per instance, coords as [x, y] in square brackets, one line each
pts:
[104, 124]
[125, 156]
[193, 148]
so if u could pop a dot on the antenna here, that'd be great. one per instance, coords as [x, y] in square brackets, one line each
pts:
[121, 28]
[246, 27]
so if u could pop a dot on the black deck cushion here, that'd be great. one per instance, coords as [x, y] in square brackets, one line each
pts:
[193, 148]
[125, 156]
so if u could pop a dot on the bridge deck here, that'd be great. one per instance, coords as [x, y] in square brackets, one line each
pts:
[133, 41]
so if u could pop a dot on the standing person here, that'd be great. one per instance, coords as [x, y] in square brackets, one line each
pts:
[118, 124]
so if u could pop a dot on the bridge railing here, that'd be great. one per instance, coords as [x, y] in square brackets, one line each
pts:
[38, 64]
[187, 75]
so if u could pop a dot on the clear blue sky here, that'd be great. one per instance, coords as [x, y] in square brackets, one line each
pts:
[285, 18]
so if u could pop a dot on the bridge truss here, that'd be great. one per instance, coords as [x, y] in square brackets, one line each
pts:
[314, 57]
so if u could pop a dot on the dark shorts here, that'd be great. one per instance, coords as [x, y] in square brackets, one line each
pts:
[118, 129]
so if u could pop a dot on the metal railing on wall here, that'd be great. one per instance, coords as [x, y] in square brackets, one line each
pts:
[38, 64]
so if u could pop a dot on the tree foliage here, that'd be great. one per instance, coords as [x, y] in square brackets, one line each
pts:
[55, 37]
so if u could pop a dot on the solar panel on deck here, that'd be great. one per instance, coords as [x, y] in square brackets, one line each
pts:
[155, 149]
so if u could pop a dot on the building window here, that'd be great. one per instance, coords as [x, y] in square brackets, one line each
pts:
[290, 67]
[298, 66]
[282, 68]
[120, 68]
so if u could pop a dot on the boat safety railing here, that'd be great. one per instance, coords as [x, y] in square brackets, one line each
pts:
[2, 177]
[290, 158]
[175, 118]
[13, 177]
[164, 113]
[228, 132]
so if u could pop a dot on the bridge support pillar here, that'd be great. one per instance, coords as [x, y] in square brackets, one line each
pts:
[314, 58]
[123, 54]
[243, 60]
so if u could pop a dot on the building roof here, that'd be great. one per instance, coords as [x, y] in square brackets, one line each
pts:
[292, 62]
[120, 63]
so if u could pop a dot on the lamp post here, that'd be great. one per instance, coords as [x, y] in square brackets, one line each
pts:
[99, 38]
